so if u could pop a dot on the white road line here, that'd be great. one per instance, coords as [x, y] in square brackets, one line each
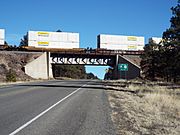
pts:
[42, 113]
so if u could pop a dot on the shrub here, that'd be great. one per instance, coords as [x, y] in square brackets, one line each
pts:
[11, 76]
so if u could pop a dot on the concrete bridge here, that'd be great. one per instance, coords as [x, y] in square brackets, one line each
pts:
[42, 66]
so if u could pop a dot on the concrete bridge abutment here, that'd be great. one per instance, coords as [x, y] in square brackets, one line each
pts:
[40, 68]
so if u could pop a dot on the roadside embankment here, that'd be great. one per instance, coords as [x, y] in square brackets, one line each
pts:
[12, 63]
[144, 107]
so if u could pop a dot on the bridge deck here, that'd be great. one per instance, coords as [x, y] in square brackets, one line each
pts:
[82, 51]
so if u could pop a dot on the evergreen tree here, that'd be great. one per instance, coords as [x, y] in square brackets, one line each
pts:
[5, 42]
[172, 45]
[163, 61]
[59, 30]
[71, 71]
[91, 76]
[150, 61]
[24, 41]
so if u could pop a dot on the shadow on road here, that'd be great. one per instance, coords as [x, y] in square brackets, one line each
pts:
[90, 85]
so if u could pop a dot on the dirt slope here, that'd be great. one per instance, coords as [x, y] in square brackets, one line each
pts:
[15, 61]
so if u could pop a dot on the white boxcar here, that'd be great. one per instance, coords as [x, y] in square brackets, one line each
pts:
[53, 39]
[1, 42]
[119, 42]
[156, 40]
[2, 36]
[46, 44]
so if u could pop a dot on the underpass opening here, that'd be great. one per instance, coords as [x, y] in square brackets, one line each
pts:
[80, 71]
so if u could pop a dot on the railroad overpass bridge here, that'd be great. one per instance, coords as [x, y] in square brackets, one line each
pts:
[42, 67]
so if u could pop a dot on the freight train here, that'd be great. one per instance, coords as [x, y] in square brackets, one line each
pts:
[68, 41]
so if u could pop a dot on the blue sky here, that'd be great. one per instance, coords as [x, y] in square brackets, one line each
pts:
[88, 17]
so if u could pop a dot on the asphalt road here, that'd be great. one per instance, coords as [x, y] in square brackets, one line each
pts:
[77, 107]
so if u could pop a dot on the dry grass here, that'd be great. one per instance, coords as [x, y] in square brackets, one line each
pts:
[145, 109]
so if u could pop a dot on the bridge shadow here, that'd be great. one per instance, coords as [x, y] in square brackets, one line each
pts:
[90, 85]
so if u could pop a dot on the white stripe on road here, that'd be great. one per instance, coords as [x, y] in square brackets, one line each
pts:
[42, 113]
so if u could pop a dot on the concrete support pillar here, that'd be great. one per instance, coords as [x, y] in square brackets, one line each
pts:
[116, 73]
[49, 66]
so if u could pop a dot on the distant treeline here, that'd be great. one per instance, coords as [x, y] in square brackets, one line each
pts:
[72, 71]
[162, 61]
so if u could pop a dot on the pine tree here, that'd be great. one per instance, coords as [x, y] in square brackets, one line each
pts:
[150, 61]
[172, 44]
[24, 41]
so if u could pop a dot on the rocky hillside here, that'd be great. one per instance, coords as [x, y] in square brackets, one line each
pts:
[14, 61]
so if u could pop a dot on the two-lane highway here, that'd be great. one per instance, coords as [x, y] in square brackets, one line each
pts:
[74, 107]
